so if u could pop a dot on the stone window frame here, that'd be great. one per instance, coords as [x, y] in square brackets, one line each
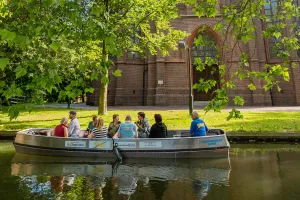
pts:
[201, 51]
[270, 58]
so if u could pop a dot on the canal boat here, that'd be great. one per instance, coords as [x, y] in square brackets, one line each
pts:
[177, 145]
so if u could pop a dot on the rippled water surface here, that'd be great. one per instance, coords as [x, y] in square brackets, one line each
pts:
[263, 171]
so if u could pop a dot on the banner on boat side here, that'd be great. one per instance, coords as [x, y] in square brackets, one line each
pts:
[79, 144]
[126, 145]
[150, 144]
[105, 144]
[211, 142]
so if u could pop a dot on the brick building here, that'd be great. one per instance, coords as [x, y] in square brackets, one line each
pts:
[163, 81]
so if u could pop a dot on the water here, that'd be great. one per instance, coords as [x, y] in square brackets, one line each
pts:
[264, 171]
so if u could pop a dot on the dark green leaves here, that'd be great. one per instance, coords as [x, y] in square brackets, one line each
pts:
[20, 71]
[54, 46]
[235, 114]
[7, 35]
[117, 73]
[3, 63]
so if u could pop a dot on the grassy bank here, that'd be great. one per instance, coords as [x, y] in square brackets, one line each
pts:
[252, 122]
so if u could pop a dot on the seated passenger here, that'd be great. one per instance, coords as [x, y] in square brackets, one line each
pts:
[127, 129]
[90, 127]
[198, 126]
[143, 125]
[159, 129]
[100, 131]
[92, 123]
[62, 129]
[74, 126]
[114, 126]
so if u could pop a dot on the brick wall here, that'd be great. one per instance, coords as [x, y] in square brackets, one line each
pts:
[172, 70]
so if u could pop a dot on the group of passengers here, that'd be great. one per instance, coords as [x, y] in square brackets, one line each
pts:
[116, 129]
[128, 129]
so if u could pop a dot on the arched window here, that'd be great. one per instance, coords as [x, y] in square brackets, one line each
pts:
[271, 10]
[204, 47]
[132, 54]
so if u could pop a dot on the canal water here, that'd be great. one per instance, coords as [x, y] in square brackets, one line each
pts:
[255, 171]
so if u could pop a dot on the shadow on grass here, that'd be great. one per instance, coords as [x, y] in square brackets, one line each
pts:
[14, 122]
[262, 125]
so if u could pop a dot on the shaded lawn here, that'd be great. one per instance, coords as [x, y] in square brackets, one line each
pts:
[174, 119]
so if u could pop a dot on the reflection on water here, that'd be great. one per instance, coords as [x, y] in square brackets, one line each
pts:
[255, 173]
[131, 179]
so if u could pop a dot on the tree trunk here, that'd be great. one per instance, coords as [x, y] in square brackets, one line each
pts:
[69, 102]
[82, 97]
[102, 108]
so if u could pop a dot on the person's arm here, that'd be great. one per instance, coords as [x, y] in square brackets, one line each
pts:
[192, 129]
[65, 132]
[92, 135]
[71, 128]
[166, 130]
[151, 132]
[110, 127]
[105, 131]
[52, 132]
[136, 135]
[117, 135]
[145, 125]
[111, 130]
[206, 129]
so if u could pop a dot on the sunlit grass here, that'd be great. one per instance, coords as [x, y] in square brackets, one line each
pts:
[174, 119]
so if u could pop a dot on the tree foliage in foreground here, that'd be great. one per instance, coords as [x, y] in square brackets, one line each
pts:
[46, 42]
[238, 21]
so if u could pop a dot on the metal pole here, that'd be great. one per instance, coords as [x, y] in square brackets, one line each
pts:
[190, 83]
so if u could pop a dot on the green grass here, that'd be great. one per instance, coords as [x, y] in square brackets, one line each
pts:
[174, 119]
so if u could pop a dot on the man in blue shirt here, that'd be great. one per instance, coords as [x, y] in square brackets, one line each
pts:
[198, 126]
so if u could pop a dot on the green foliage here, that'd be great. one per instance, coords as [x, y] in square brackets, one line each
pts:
[61, 46]
[239, 101]
[235, 114]
[117, 72]
[239, 21]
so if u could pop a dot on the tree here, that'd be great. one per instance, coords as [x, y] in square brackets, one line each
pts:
[238, 21]
[45, 40]
[116, 22]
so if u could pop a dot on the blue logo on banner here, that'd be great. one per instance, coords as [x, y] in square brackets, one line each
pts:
[211, 142]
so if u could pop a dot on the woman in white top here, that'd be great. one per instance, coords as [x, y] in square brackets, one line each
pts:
[100, 130]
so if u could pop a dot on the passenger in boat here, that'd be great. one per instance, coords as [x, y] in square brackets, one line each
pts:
[61, 130]
[92, 123]
[100, 131]
[159, 129]
[198, 126]
[143, 125]
[127, 129]
[91, 126]
[74, 126]
[114, 126]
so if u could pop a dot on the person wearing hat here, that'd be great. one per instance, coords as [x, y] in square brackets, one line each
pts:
[74, 127]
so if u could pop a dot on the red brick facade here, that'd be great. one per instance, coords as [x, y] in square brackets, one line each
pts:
[163, 81]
